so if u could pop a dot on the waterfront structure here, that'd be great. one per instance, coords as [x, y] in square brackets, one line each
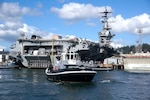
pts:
[137, 62]
[3, 57]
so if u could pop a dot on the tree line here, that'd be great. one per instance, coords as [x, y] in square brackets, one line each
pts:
[128, 49]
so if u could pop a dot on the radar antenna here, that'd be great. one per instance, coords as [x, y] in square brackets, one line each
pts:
[105, 35]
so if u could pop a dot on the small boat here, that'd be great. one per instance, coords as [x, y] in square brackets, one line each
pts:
[70, 75]
[69, 69]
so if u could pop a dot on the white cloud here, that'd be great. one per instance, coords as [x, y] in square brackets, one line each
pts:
[74, 11]
[31, 30]
[11, 15]
[91, 24]
[117, 43]
[27, 29]
[11, 20]
[12, 11]
[2, 47]
[131, 25]
[48, 36]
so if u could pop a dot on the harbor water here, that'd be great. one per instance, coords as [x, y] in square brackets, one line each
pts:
[32, 84]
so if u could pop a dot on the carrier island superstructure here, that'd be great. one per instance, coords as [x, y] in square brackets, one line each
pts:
[37, 52]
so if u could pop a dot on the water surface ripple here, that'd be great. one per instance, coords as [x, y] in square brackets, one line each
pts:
[32, 84]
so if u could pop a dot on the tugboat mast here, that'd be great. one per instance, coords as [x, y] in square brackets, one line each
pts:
[105, 35]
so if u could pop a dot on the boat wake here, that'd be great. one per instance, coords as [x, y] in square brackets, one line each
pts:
[105, 81]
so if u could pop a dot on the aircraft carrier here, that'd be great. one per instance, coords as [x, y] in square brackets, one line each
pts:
[37, 52]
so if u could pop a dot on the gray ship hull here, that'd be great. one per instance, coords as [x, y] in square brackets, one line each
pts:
[42, 61]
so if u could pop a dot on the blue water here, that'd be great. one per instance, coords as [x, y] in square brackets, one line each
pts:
[32, 84]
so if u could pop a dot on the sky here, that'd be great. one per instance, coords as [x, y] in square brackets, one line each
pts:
[80, 18]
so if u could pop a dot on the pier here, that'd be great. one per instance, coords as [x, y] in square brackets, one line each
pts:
[118, 66]
[113, 66]
[114, 62]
